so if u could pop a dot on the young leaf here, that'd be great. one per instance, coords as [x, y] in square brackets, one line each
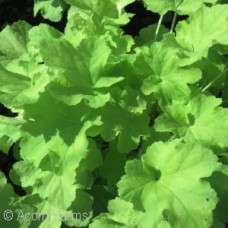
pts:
[121, 214]
[50, 9]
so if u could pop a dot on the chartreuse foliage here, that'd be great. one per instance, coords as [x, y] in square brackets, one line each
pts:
[115, 131]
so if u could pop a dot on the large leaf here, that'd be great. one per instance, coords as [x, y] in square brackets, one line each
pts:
[13, 40]
[201, 31]
[22, 82]
[80, 70]
[167, 184]
[167, 80]
[61, 118]
[54, 176]
[201, 120]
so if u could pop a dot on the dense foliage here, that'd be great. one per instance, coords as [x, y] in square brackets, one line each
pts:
[111, 130]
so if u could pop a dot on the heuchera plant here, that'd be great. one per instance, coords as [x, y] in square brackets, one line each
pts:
[119, 131]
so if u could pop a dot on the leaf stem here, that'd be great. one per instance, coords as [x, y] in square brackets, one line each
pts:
[216, 79]
[158, 27]
[173, 22]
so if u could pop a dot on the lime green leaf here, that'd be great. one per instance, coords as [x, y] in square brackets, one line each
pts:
[58, 166]
[12, 82]
[121, 214]
[147, 35]
[9, 132]
[13, 40]
[88, 60]
[50, 9]
[201, 120]
[94, 18]
[109, 8]
[22, 82]
[121, 126]
[179, 6]
[196, 35]
[161, 7]
[167, 81]
[67, 120]
[36, 35]
[43, 31]
[129, 99]
[104, 81]
[166, 184]
[54, 172]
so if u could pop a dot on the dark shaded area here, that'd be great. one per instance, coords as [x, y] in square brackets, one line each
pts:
[134, 153]
[101, 198]
[6, 163]
[141, 19]
[6, 112]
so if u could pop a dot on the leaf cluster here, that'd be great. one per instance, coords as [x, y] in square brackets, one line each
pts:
[126, 132]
